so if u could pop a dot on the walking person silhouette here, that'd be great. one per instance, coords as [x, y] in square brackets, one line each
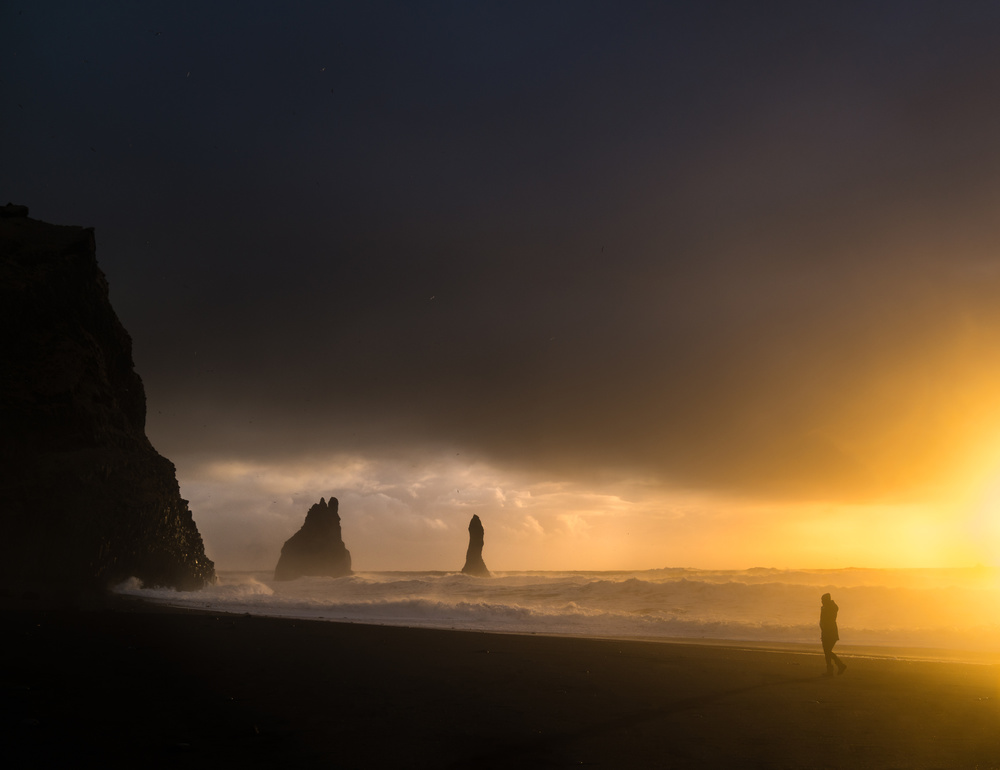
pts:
[829, 634]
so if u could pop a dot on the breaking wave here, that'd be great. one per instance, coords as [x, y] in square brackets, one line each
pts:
[946, 609]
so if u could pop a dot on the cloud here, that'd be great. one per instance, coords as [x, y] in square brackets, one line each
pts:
[674, 255]
[400, 514]
[531, 524]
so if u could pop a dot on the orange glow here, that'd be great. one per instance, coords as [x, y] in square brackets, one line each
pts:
[903, 471]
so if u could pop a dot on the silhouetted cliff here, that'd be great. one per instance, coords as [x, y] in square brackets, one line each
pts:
[317, 549]
[85, 499]
[474, 564]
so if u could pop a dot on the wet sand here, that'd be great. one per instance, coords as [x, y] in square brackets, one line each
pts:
[130, 683]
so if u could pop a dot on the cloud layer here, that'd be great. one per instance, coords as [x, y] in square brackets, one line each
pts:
[726, 252]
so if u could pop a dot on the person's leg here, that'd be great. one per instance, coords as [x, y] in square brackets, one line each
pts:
[828, 654]
[832, 659]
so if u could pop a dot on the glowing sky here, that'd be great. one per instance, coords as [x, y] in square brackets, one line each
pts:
[710, 285]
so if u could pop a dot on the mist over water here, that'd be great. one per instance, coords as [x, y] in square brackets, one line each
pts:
[951, 610]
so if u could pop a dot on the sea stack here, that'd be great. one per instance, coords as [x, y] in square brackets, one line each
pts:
[474, 564]
[317, 549]
[86, 501]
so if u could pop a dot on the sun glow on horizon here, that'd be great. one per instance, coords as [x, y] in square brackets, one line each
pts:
[401, 514]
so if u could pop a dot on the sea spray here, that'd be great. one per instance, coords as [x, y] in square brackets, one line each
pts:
[948, 609]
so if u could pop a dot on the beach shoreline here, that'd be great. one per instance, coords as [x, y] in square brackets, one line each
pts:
[127, 680]
[888, 651]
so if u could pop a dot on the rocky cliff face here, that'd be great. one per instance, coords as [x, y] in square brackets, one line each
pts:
[318, 548]
[474, 564]
[85, 500]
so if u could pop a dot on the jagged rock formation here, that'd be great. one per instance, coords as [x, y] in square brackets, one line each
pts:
[474, 564]
[85, 499]
[317, 549]
[13, 210]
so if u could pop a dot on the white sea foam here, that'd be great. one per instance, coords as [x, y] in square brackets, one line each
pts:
[948, 609]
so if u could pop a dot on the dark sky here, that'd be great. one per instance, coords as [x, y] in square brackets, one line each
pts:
[750, 248]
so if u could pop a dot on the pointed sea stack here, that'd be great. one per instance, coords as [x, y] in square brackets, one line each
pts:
[85, 499]
[474, 564]
[318, 548]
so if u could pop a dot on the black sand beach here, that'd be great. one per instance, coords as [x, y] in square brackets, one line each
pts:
[132, 684]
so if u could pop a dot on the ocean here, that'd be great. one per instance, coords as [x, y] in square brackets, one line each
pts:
[931, 613]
